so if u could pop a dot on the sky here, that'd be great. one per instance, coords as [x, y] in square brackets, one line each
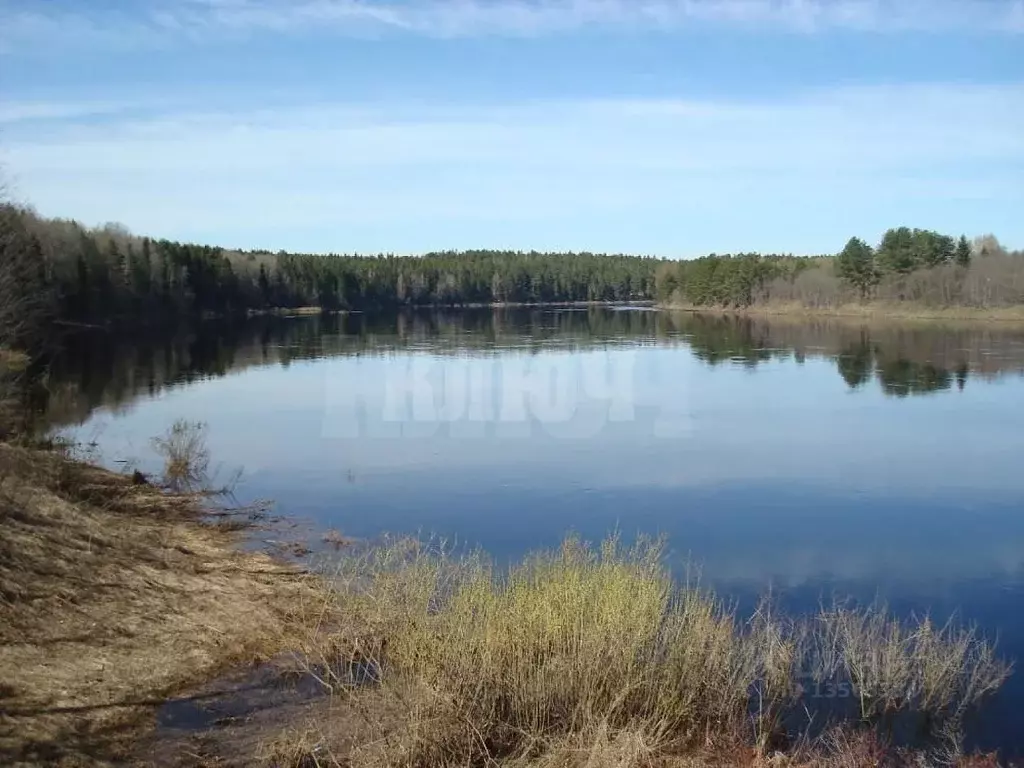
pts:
[667, 127]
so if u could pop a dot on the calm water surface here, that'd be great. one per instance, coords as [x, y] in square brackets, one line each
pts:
[810, 457]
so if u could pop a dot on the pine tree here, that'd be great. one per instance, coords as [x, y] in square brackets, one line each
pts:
[856, 265]
[963, 252]
[898, 251]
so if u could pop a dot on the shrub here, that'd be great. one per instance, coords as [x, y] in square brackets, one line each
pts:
[582, 643]
[186, 456]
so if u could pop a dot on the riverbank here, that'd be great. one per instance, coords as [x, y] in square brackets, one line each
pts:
[115, 596]
[870, 311]
[315, 310]
[119, 596]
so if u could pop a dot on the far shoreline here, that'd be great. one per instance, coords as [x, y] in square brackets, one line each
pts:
[315, 310]
[868, 312]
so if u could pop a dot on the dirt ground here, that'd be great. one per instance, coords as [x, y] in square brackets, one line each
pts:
[114, 596]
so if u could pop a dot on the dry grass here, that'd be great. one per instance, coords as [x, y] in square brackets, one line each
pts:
[13, 365]
[114, 595]
[870, 311]
[594, 657]
[186, 456]
[919, 667]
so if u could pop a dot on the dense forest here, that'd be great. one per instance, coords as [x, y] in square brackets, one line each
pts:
[908, 265]
[59, 272]
[74, 274]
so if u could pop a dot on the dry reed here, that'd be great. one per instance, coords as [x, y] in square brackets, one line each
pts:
[584, 645]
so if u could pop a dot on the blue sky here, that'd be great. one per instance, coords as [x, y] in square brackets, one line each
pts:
[673, 127]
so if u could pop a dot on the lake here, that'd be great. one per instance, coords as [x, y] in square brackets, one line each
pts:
[812, 458]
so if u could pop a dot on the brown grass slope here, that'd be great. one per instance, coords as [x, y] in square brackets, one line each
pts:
[112, 596]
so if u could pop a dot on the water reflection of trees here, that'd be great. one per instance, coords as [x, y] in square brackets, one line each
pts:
[95, 370]
[899, 376]
[904, 359]
[98, 369]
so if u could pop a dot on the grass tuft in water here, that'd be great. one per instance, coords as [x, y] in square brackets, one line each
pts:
[186, 456]
[586, 645]
[915, 666]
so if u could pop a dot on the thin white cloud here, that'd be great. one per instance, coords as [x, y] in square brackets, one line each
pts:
[454, 18]
[159, 23]
[836, 128]
[24, 111]
[405, 171]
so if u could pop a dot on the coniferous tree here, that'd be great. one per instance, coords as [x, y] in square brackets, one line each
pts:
[897, 251]
[963, 252]
[856, 265]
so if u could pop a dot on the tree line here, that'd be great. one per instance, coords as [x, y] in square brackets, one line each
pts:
[915, 265]
[58, 271]
[86, 275]
[902, 251]
[726, 280]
